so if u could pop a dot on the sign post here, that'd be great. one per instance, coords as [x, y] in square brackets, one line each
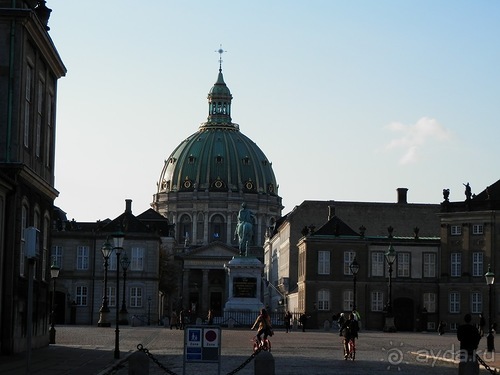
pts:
[202, 345]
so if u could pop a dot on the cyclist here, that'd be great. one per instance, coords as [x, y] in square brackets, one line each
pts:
[264, 323]
[349, 330]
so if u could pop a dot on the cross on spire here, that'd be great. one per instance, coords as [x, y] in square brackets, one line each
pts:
[220, 51]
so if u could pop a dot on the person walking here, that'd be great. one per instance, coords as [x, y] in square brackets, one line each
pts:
[303, 321]
[173, 320]
[349, 330]
[482, 323]
[263, 322]
[288, 321]
[210, 317]
[441, 328]
[469, 338]
[182, 317]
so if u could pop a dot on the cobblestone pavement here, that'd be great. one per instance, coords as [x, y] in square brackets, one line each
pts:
[89, 350]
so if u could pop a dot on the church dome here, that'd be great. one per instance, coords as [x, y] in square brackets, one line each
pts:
[218, 157]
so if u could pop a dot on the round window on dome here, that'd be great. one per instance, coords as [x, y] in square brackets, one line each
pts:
[187, 184]
[218, 184]
[249, 185]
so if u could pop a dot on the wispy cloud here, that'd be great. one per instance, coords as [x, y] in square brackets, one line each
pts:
[413, 138]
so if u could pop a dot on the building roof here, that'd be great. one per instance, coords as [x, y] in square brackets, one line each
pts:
[218, 157]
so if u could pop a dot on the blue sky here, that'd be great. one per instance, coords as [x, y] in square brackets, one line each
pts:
[348, 99]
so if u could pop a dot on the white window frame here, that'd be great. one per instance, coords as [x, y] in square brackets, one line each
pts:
[27, 105]
[403, 264]
[323, 300]
[323, 262]
[476, 301]
[137, 259]
[429, 302]
[82, 257]
[81, 295]
[22, 250]
[377, 301]
[378, 263]
[135, 296]
[57, 256]
[456, 230]
[112, 296]
[455, 264]
[348, 300]
[454, 302]
[478, 263]
[348, 258]
[430, 266]
[477, 229]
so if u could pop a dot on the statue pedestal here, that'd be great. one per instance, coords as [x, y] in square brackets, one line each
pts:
[245, 284]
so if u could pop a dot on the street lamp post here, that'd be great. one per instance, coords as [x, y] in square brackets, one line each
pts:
[106, 250]
[54, 274]
[354, 266]
[118, 247]
[125, 263]
[390, 257]
[490, 339]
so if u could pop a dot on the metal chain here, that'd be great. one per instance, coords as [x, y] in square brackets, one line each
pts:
[152, 357]
[482, 362]
[143, 349]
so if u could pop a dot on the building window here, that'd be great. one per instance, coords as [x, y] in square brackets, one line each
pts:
[454, 302]
[137, 262]
[477, 264]
[456, 264]
[22, 252]
[27, 104]
[477, 229]
[135, 296]
[48, 132]
[403, 265]
[57, 254]
[348, 300]
[323, 262]
[378, 263]
[377, 301]
[429, 265]
[111, 296]
[112, 261]
[81, 296]
[39, 118]
[456, 230]
[45, 247]
[323, 300]
[430, 302]
[476, 303]
[82, 258]
[348, 258]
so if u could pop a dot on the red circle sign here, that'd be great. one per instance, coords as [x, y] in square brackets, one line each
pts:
[211, 335]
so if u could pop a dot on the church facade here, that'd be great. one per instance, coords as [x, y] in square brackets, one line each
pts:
[201, 189]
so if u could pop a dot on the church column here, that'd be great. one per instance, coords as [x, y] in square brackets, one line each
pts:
[194, 239]
[185, 288]
[204, 292]
[206, 234]
[230, 234]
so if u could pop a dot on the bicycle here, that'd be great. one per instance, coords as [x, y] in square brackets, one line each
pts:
[265, 344]
[351, 349]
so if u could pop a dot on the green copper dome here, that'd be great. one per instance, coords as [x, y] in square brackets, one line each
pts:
[218, 157]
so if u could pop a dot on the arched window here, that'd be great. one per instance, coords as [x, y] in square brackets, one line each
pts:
[185, 230]
[217, 228]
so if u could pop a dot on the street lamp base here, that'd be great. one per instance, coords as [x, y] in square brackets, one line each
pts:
[389, 324]
[52, 335]
[103, 321]
[490, 342]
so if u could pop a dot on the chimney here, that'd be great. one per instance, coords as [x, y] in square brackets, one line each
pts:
[402, 195]
[128, 205]
[331, 212]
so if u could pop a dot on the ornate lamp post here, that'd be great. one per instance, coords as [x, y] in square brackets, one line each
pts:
[354, 266]
[118, 247]
[390, 257]
[54, 274]
[106, 250]
[125, 263]
[490, 339]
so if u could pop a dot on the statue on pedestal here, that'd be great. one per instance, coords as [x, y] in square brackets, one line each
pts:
[244, 228]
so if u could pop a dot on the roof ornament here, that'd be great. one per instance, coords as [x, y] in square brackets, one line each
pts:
[220, 51]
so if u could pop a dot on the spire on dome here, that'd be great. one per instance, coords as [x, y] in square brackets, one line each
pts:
[220, 51]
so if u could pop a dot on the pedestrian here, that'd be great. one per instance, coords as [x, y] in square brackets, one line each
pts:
[263, 322]
[288, 321]
[469, 338]
[441, 328]
[482, 323]
[181, 319]
[303, 321]
[173, 320]
[349, 330]
[210, 317]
